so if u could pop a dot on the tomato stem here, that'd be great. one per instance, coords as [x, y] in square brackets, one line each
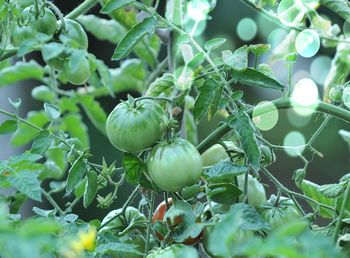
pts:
[345, 202]
[150, 213]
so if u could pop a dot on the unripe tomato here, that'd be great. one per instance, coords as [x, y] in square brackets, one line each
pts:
[175, 251]
[158, 215]
[335, 94]
[256, 192]
[174, 165]
[21, 34]
[45, 23]
[74, 35]
[118, 224]
[80, 74]
[134, 128]
[216, 153]
[267, 155]
[277, 214]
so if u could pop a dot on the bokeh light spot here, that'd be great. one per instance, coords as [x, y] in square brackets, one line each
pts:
[305, 94]
[319, 68]
[294, 143]
[307, 43]
[198, 10]
[265, 115]
[247, 29]
[276, 37]
[296, 119]
[291, 12]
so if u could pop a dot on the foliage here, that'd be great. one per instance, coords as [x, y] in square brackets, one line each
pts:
[217, 202]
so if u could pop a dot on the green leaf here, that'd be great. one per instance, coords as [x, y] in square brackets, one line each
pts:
[224, 193]
[41, 143]
[8, 126]
[90, 188]
[312, 190]
[196, 61]
[134, 168]
[246, 135]
[130, 76]
[73, 124]
[332, 190]
[161, 86]
[51, 50]
[80, 188]
[173, 12]
[340, 7]
[75, 174]
[25, 133]
[189, 127]
[214, 43]
[21, 71]
[237, 60]
[114, 5]
[94, 111]
[44, 213]
[112, 30]
[252, 77]
[259, 49]
[204, 99]
[136, 33]
[43, 93]
[116, 247]
[223, 171]
[53, 112]
[27, 183]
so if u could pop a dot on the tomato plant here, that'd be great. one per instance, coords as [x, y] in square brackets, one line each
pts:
[135, 103]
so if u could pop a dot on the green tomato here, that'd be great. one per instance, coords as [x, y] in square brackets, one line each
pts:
[175, 251]
[75, 36]
[78, 75]
[256, 192]
[118, 224]
[174, 165]
[240, 236]
[47, 23]
[267, 155]
[135, 128]
[22, 33]
[278, 214]
[335, 94]
[217, 152]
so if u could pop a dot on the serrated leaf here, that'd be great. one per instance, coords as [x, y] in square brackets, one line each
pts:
[112, 30]
[173, 12]
[44, 213]
[24, 133]
[252, 77]
[340, 7]
[246, 135]
[161, 86]
[311, 190]
[214, 43]
[53, 112]
[75, 174]
[134, 168]
[237, 60]
[225, 193]
[72, 123]
[205, 98]
[26, 182]
[8, 126]
[136, 33]
[41, 143]
[332, 190]
[21, 71]
[113, 5]
[51, 50]
[94, 111]
[223, 171]
[90, 188]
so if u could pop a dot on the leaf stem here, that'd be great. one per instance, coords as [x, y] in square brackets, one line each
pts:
[150, 214]
[52, 201]
[346, 201]
[282, 103]
[81, 9]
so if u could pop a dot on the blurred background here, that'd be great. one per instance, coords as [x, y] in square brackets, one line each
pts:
[240, 25]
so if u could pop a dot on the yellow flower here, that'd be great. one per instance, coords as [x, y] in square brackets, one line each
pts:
[86, 241]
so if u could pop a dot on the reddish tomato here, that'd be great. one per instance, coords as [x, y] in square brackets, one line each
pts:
[158, 215]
